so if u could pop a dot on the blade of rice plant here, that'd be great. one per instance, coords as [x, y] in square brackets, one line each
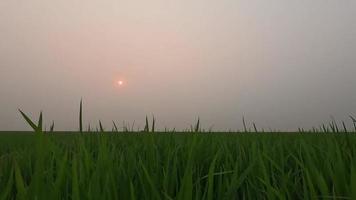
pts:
[254, 126]
[334, 124]
[154, 190]
[146, 129]
[153, 124]
[238, 179]
[115, 127]
[352, 118]
[52, 127]
[20, 185]
[344, 126]
[353, 121]
[132, 127]
[75, 184]
[29, 121]
[39, 126]
[132, 191]
[244, 124]
[211, 178]
[197, 126]
[60, 177]
[353, 181]
[7, 191]
[101, 127]
[81, 116]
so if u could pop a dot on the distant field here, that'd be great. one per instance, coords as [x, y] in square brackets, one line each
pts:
[177, 166]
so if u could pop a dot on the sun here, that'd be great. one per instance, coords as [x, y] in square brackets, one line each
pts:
[120, 83]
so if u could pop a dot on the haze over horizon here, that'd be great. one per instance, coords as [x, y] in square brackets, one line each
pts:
[282, 64]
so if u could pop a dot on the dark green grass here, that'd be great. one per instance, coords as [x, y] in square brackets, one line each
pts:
[177, 166]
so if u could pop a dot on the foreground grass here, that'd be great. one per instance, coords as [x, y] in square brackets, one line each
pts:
[177, 166]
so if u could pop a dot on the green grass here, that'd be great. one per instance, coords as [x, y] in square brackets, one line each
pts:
[194, 164]
[177, 166]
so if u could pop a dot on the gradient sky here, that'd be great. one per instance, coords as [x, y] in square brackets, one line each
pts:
[282, 64]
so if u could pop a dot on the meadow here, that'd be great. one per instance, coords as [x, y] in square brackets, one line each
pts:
[176, 165]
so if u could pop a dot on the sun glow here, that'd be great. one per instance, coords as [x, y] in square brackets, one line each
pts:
[120, 83]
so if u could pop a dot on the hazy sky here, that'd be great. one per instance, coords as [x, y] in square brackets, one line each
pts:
[280, 63]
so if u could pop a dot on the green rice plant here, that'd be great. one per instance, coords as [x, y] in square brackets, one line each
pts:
[193, 165]
[244, 124]
[254, 127]
[177, 166]
[81, 116]
[101, 127]
[37, 128]
[153, 124]
[52, 127]
[197, 126]
[115, 128]
[146, 129]
[354, 122]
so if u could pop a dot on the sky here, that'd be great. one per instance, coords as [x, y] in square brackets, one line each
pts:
[281, 64]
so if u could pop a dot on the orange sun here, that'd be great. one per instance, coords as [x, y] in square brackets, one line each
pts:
[120, 83]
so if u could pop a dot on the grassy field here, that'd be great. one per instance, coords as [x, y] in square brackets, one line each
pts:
[177, 166]
[318, 164]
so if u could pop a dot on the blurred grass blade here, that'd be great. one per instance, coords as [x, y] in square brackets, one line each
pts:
[81, 116]
[40, 123]
[197, 126]
[254, 127]
[211, 178]
[153, 124]
[101, 127]
[52, 127]
[146, 129]
[354, 122]
[244, 124]
[29, 121]
[115, 127]
[6, 193]
[132, 191]
[20, 185]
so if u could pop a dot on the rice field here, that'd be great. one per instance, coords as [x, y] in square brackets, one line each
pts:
[176, 165]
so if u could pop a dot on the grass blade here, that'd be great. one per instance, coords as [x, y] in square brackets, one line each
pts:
[40, 123]
[81, 116]
[153, 124]
[52, 127]
[101, 127]
[197, 126]
[244, 124]
[115, 127]
[29, 121]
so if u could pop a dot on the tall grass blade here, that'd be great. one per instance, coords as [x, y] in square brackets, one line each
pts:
[132, 191]
[115, 127]
[81, 116]
[197, 126]
[154, 191]
[153, 124]
[211, 178]
[20, 185]
[254, 127]
[40, 123]
[344, 126]
[354, 122]
[52, 127]
[244, 124]
[75, 181]
[29, 121]
[6, 193]
[101, 127]
[146, 129]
